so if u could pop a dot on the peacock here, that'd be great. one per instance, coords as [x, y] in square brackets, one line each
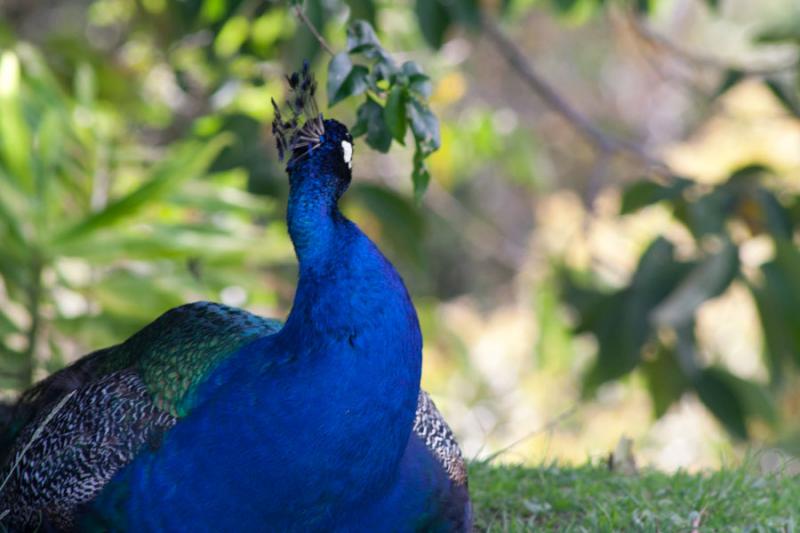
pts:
[214, 419]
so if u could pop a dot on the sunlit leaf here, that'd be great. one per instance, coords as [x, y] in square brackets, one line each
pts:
[190, 161]
[395, 113]
[14, 132]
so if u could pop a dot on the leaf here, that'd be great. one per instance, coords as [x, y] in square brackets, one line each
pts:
[665, 381]
[15, 135]
[418, 81]
[646, 192]
[420, 175]
[722, 400]
[424, 126]
[189, 162]
[399, 220]
[345, 79]
[620, 321]
[362, 9]
[707, 214]
[434, 20]
[784, 95]
[707, 279]
[731, 78]
[361, 39]
[395, 113]
[232, 36]
[370, 120]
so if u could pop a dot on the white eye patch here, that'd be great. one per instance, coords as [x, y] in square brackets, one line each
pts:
[347, 148]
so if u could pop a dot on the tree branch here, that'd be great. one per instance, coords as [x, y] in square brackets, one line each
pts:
[603, 142]
[298, 10]
[661, 42]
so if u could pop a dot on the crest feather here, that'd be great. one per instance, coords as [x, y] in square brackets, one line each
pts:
[301, 131]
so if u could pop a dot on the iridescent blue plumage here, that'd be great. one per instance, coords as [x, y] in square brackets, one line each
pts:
[319, 426]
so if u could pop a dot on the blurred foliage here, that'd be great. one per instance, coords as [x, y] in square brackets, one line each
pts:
[129, 129]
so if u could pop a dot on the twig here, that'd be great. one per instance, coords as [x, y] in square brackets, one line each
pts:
[298, 10]
[659, 41]
[547, 427]
[600, 140]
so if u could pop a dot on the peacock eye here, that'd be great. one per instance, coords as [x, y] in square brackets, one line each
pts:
[347, 150]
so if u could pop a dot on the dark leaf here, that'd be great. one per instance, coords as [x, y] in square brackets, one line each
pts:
[418, 81]
[434, 20]
[708, 279]
[424, 126]
[665, 381]
[345, 79]
[400, 222]
[370, 120]
[420, 175]
[621, 321]
[362, 9]
[645, 192]
[715, 391]
[707, 214]
[785, 96]
[732, 77]
[361, 39]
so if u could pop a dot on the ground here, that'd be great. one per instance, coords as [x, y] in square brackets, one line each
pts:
[591, 498]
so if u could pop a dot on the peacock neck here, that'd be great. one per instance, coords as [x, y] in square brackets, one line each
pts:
[312, 217]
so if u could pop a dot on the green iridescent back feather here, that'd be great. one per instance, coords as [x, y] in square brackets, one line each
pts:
[178, 350]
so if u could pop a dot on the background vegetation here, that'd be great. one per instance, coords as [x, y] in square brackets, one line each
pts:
[594, 202]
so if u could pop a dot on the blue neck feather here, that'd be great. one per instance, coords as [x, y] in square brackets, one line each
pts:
[302, 426]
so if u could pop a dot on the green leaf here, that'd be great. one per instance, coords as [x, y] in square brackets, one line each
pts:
[418, 81]
[707, 279]
[785, 96]
[621, 320]
[645, 192]
[777, 299]
[362, 9]
[400, 222]
[232, 36]
[370, 120]
[191, 160]
[345, 79]
[434, 19]
[361, 39]
[395, 113]
[424, 126]
[15, 135]
[715, 391]
[665, 380]
[707, 214]
[420, 175]
[731, 78]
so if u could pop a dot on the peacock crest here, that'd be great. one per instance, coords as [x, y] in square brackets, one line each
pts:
[303, 130]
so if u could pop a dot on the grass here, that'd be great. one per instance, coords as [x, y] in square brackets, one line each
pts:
[591, 498]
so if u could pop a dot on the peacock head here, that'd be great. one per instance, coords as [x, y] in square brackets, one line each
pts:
[317, 149]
